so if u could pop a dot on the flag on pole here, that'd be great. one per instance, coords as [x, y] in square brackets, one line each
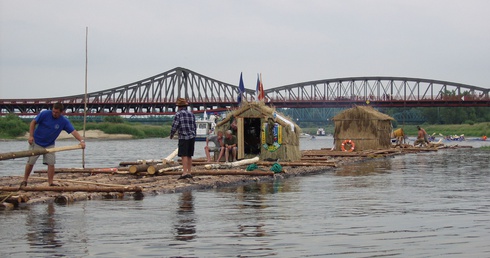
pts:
[260, 88]
[257, 88]
[241, 89]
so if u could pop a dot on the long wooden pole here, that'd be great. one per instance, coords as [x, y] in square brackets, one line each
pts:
[80, 182]
[72, 189]
[85, 98]
[84, 170]
[29, 153]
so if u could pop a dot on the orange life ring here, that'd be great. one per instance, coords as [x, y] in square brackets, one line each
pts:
[352, 144]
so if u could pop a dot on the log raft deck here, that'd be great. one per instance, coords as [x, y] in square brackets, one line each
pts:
[139, 178]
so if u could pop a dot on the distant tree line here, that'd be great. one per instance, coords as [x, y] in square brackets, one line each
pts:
[442, 115]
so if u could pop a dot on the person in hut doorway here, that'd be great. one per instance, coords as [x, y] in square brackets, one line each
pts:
[231, 144]
[218, 145]
[43, 131]
[185, 124]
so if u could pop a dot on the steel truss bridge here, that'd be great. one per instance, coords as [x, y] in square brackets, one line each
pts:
[157, 95]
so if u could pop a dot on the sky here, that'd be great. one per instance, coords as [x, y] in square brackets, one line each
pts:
[43, 43]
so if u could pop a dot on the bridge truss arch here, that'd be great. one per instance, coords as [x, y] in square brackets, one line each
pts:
[151, 96]
[377, 91]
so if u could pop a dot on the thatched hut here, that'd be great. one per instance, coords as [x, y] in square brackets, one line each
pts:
[366, 127]
[264, 132]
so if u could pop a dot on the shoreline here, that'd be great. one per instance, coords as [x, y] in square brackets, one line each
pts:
[89, 134]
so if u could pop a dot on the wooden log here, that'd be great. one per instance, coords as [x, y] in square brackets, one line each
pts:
[79, 182]
[153, 169]
[83, 170]
[69, 198]
[138, 168]
[6, 205]
[317, 159]
[128, 163]
[298, 163]
[232, 164]
[72, 189]
[139, 162]
[16, 200]
[227, 172]
[171, 156]
[148, 161]
[29, 153]
[170, 169]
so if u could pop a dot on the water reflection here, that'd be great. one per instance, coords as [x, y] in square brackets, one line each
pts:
[366, 168]
[42, 228]
[277, 186]
[185, 229]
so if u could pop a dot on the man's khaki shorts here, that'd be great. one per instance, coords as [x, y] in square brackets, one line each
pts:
[48, 158]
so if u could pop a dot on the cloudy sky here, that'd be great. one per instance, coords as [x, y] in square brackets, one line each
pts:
[42, 43]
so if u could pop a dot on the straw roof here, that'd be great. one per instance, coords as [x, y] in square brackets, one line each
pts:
[256, 107]
[360, 112]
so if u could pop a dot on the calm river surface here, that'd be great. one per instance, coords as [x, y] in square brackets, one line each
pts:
[416, 205]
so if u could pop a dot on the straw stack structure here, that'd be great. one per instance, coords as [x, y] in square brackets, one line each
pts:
[368, 128]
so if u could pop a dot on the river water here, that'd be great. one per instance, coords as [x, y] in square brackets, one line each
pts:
[415, 205]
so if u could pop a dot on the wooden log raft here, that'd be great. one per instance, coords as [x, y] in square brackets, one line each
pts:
[72, 189]
[29, 153]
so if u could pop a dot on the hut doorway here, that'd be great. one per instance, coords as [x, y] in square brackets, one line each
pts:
[251, 136]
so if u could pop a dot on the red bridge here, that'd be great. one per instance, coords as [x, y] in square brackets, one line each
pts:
[157, 95]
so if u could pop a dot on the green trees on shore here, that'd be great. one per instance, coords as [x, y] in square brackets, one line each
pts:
[474, 121]
[12, 126]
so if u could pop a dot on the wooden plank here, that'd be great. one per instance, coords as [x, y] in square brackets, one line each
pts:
[241, 140]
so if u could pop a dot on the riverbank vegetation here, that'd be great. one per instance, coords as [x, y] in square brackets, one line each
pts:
[11, 127]
[117, 125]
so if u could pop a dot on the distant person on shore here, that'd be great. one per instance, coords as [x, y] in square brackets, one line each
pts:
[185, 124]
[43, 131]
[421, 136]
[231, 144]
[218, 145]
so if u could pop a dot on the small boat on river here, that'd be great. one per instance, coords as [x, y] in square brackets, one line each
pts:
[205, 127]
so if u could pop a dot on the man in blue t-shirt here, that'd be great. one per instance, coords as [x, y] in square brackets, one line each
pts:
[49, 124]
